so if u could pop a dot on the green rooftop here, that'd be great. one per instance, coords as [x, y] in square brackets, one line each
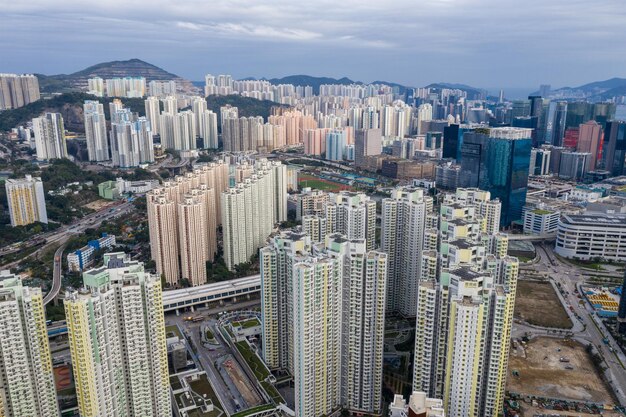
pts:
[251, 411]
[247, 323]
[173, 330]
[260, 370]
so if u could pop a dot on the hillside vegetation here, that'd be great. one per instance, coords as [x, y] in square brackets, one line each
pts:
[247, 106]
[70, 105]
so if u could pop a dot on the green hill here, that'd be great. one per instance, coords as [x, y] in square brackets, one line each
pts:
[114, 69]
[70, 105]
[247, 106]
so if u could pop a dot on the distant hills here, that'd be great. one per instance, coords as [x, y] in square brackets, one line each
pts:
[77, 81]
[314, 82]
[114, 69]
[597, 90]
[473, 93]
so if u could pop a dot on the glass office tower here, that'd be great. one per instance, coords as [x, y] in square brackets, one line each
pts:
[497, 160]
[615, 147]
[506, 175]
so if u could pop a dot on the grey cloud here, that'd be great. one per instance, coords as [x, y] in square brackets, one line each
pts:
[482, 42]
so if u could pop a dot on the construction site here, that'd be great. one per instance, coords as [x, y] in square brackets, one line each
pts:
[533, 299]
[548, 374]
[238, 382]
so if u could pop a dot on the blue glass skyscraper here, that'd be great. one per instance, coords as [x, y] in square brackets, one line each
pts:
[497, 160]
[507, 160]
[614, 152]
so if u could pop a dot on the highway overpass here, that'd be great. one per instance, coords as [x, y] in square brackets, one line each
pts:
[202, 295]
[184, 298]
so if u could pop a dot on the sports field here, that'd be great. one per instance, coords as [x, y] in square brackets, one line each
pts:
[305, 180]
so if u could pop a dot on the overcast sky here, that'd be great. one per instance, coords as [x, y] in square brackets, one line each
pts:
[484, 43]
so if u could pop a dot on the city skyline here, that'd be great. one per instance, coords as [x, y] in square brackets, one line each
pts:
[531, 43]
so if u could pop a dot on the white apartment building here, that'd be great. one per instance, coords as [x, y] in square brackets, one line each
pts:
[465, 302]
[489, 209]
[117, 341]
[251, 209]
[27, 381]
[323, 320]
[153, 111]
[161, 88]
[591, 235]
[49, 137]
[352, 214]
[131, 87]
[402, 234]
[131, 140]
[95, 86]
[96, 131]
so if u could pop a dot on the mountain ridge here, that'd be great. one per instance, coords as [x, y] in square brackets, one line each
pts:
[134, 67]
[596, 90]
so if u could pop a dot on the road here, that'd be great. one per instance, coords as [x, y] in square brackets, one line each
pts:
[62, 235]
[207, 357]
[592, 329]
[56, 275]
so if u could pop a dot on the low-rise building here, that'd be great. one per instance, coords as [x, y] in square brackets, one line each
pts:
[192, 395]
[84, 257]
[135, 187]
[592, 235]
[418, 406]
[540, 220]
[176, 353]
[405, 169]
[108, 190]
[586, 193]
[608, 205]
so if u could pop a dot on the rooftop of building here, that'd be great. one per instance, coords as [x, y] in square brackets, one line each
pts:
[611, 201]
[595, 219]
[543, 212]
[465, 273]
[26, 180]
[462, 243]
[510, 133]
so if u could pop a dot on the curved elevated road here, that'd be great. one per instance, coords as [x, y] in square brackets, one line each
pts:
[56, 275]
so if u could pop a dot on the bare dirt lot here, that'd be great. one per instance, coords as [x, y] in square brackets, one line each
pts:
[242, 383]
[528, 411]
[542, 373]
[536, 303]
[98, 204]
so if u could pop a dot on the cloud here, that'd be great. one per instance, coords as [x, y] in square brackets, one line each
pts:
[505, 42]
[250, 30]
